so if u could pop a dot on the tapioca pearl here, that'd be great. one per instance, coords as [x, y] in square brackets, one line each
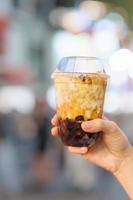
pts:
[79, 118]
[78, 133]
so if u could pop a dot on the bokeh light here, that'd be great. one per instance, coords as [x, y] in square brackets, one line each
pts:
[68, 44]
[105, 38]
[95, 9]
[70, 19]
[16, 98]
[112, 102]
[56, 15]
[121, 60]
[50, 97]
[126, 102]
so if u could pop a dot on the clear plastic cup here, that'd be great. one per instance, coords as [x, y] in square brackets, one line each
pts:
[80, 84]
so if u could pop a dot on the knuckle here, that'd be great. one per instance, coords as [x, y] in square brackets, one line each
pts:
[100, 123]
[113, 125]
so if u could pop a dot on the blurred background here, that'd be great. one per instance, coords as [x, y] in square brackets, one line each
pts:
[34, 36]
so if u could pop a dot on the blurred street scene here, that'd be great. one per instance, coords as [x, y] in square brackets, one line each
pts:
[34, 36]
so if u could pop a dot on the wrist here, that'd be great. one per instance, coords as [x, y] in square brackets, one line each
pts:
[124, 174]
[126, 162]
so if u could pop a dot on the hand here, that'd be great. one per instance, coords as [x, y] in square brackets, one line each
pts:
[109, 151]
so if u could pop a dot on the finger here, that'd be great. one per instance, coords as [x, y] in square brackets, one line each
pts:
[78, 150]
[55, 120]
[55, 131]
[99, 125]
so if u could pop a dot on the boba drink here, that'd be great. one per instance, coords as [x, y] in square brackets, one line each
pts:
[79, 97]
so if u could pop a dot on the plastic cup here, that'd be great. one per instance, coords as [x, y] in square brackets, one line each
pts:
[80, 84]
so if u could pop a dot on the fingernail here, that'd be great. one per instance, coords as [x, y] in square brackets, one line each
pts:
[86, 125]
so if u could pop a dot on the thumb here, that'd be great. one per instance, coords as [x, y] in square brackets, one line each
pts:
[98, 125]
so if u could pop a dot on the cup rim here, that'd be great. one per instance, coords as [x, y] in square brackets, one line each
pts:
[81, 57]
